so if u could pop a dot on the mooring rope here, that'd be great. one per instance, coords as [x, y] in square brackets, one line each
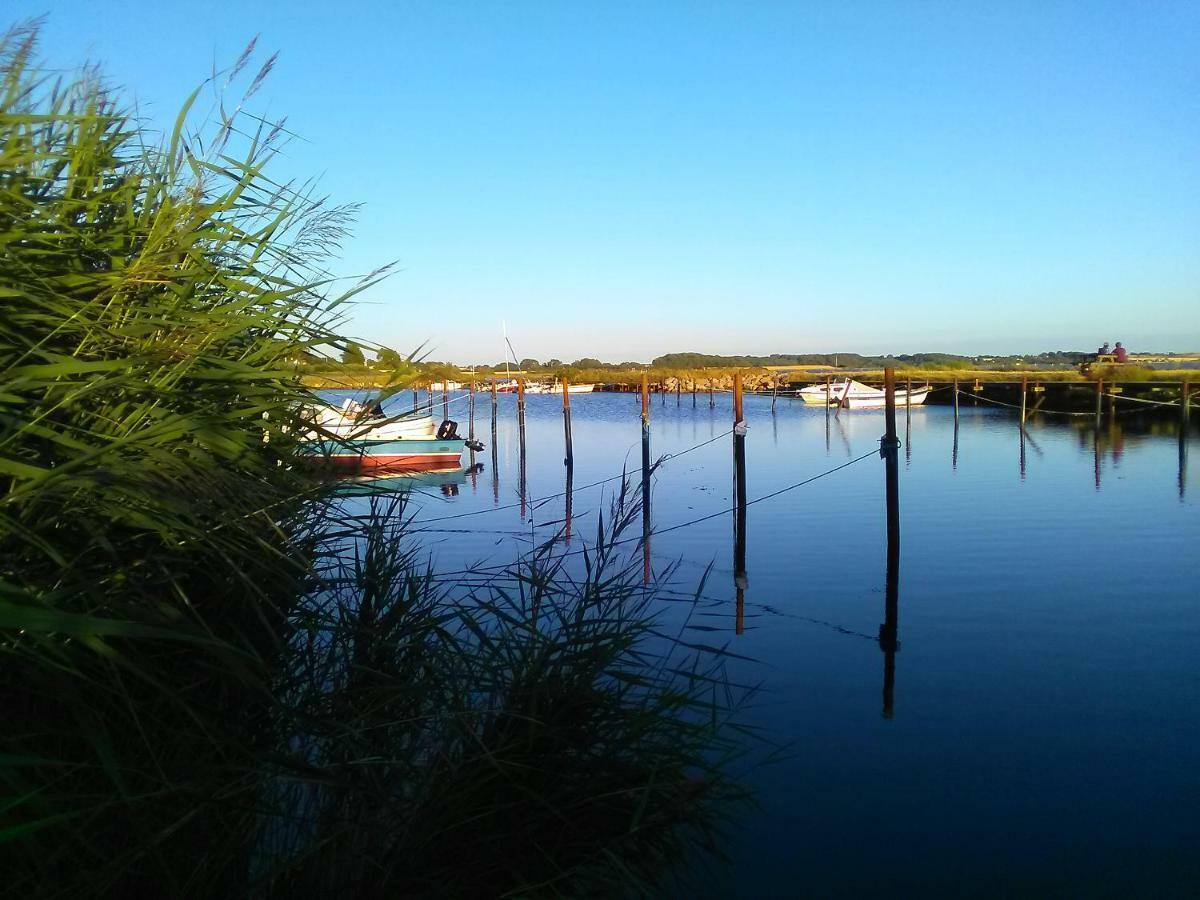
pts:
[1049, 412]
[1174, 403]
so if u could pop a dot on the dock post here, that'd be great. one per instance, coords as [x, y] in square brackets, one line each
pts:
[521, 444]
[711, 402]
[416, 400]
[678, 389]
[739, 494]
[956, 402]
[1024, 394]
[888, 631]
[1099, 401]
[569, 461]
[1184, 404]
[693, 393]
[908, 423]
[445, 399]
[645, 480]
[495, 450]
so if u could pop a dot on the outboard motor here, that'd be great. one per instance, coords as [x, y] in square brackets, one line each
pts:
[447, 431]
[477, 446]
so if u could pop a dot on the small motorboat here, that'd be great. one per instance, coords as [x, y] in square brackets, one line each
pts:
[540, 387]
[853, 394]
[361, 438]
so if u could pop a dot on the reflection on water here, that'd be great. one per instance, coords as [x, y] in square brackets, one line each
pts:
[1039, 726]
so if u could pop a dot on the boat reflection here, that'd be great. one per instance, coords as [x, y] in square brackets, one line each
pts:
[447, 480]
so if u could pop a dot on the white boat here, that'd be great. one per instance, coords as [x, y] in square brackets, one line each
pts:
[556, 388]
[354, 419]
[362, 438]
[853, 394]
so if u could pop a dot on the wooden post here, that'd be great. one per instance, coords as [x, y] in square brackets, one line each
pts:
[1099, 401]
[711, 402]
[956, 402]
[495, 451]
[1024, 393]
[693, 393]
[570, 458]
[739, 494]
[888, 631]
[416, 400]
[471, 410]
[521, 414]
[645, 480]
[1184, 405]
[445, 399]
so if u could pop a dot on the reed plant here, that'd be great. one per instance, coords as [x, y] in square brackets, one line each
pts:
[223, 678]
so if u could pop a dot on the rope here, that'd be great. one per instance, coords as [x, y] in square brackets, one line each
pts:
[1050, 412]
[681, 525]
[535, 502]
[1141, 400]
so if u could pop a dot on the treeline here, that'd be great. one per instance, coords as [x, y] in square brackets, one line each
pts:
[1054, 358]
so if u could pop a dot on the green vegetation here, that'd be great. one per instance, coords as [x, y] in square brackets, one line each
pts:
[223, 678]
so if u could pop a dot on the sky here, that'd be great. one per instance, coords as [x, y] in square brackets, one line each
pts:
[626, 179]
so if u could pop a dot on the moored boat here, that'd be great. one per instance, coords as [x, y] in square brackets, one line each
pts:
[853, 394]
[362, 438]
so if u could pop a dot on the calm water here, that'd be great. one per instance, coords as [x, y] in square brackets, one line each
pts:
[1045, 732]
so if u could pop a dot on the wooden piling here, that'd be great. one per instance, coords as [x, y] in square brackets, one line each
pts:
[645, 481]
[495, 450]
[445, 399]
[471, 410]
[1099, 401]
[888, 631]
[955, 402]
[1024, 393]
[1184, 405]
[569, 460]
[521, 417]
[416, 399]
[711, 402]
[739, 494]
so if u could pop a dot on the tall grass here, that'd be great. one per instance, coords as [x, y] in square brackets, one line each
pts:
[220, 679]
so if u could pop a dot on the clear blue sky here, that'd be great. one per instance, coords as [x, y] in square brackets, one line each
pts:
[626, 179]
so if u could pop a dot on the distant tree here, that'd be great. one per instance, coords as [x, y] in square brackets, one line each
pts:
[389, 358]
[588, 363]
[554, 364]
[353, 355]
[530, 365]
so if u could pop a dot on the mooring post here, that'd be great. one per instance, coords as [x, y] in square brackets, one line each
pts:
[416, 400]
[521, 414]
[445, 399]
[1099, 401]
[471, 410]
[645, 480]
[495, 450]
[1024, 393]
[739, 493]
[889, 630]
[955, 402]
[570, 458]
[1184, 403]
[521, 444]
[711, 402]
[693, 393]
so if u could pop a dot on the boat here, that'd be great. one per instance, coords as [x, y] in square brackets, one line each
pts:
[360, 437]
[855, 395]
[540, 387]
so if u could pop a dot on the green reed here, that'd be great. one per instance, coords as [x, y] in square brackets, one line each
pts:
[220, 680]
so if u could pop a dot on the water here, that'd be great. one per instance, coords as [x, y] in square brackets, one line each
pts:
[1043, 733]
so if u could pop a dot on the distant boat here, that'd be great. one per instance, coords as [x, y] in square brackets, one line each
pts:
[856, 395]
[556, 388]
[362, 438]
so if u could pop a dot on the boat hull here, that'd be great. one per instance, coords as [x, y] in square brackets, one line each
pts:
[382, 456]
